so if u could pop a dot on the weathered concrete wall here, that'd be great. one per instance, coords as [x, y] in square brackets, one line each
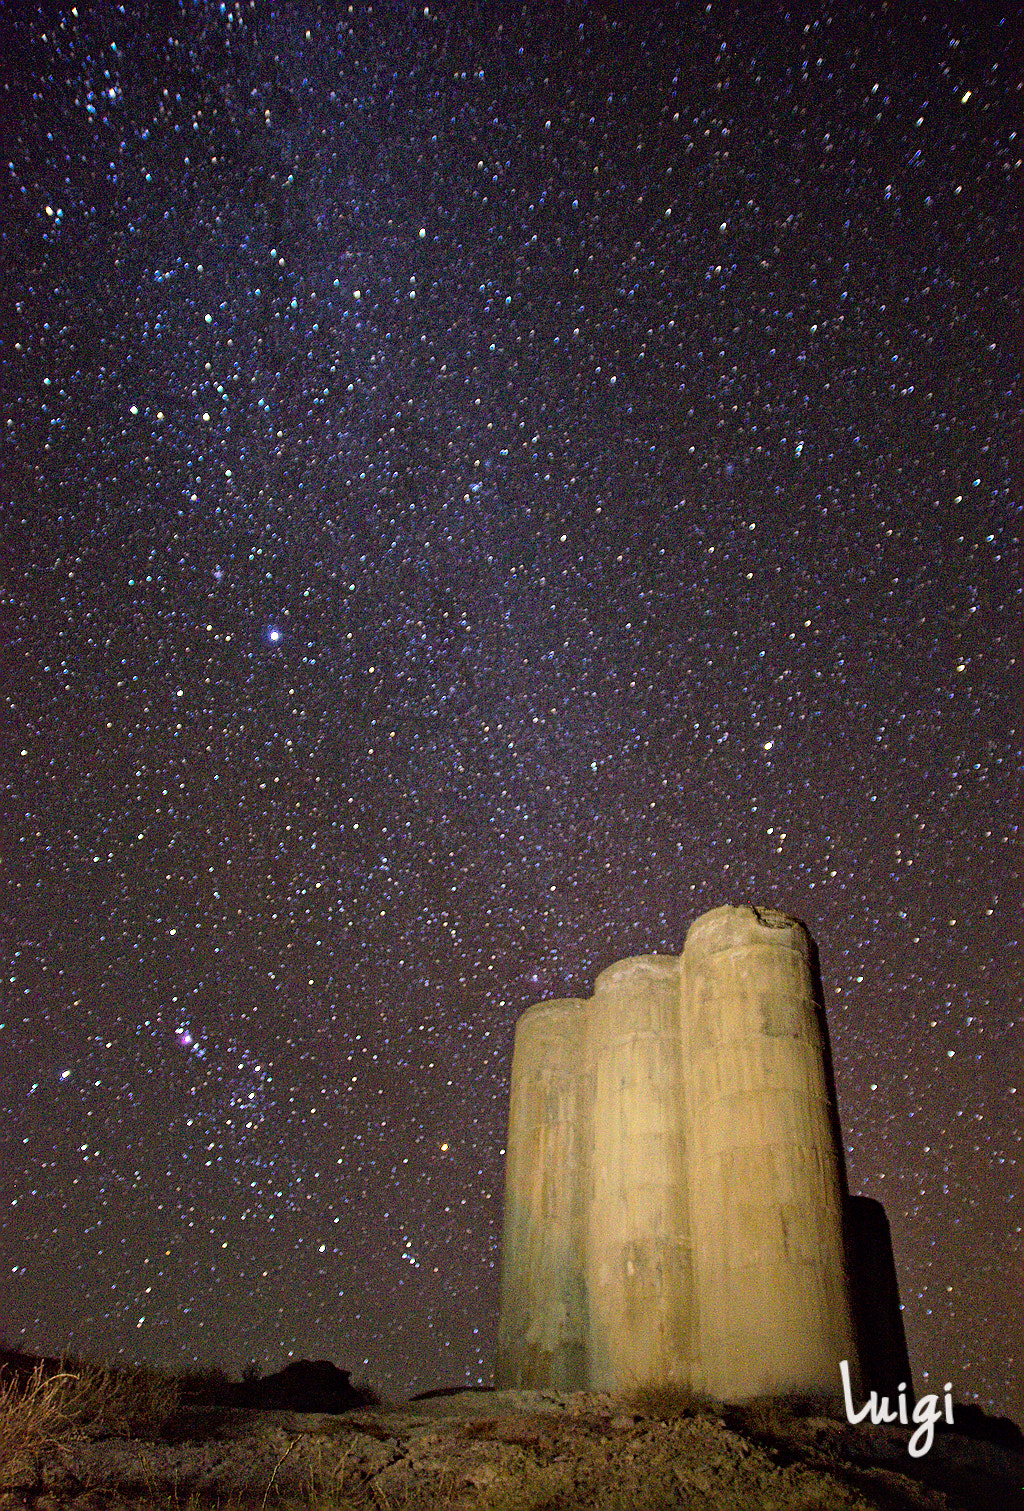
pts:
[639, 1268]
[773, 1298]
[541, 1337]
[674, 1185]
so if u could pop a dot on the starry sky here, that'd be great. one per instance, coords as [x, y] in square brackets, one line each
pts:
[481, 486]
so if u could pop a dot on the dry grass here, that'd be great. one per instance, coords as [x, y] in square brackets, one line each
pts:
[667, 1403]
[776, 1418]
[36, 1414]
[204, 1387]
[652, 1447]
[130, 1403]
[41, 1411]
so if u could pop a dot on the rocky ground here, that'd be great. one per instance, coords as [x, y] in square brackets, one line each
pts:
[520, 1451]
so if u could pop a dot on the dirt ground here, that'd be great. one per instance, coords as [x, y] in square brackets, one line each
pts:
[521, 1451]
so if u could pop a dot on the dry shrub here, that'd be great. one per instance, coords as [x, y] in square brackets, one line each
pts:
[818, 1498]
[778, 1418]
[37, 1413]
[527, 1429]
[42, 1411]
[402, 1492]
[481, 1427]
[135, 1403]
[205, 1388]
[371, 1396]
[764, 1418]
[666, 1402]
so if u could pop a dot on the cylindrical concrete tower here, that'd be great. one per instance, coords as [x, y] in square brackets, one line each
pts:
[639, 1270]
[547, 1165]
[766, 1188]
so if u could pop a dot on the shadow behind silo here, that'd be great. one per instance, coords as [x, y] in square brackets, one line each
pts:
[876, 1299]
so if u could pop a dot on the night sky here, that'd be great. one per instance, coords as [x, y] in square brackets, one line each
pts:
[480, 489]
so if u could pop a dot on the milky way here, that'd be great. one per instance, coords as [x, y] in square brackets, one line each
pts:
[480, 489]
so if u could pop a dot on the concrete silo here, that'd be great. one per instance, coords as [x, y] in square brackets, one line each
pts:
[675, 1195]
[541, 1338]
[638, 1255]
[765, 1168]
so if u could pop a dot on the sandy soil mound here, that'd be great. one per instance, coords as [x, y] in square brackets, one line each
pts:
[520, 1451]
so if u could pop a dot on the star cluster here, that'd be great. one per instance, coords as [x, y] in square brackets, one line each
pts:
[482, 486]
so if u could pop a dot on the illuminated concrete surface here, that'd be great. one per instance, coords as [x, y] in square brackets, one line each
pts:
[675, 1193]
